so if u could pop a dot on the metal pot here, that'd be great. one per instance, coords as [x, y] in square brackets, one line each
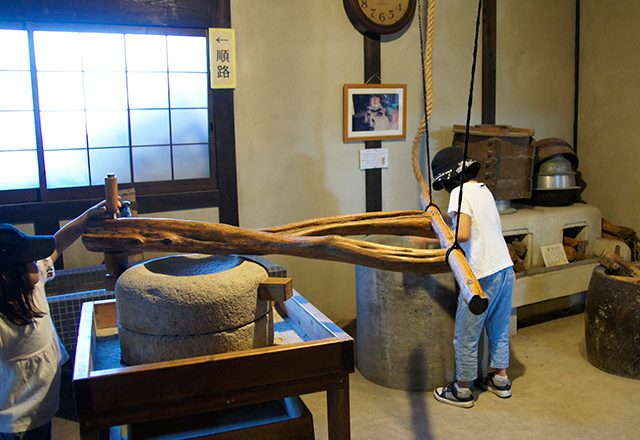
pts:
[555, 182]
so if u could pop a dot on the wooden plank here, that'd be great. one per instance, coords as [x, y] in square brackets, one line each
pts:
[187, 13]
[275, 289]
[137, 385]
[105, 313]
[211, 402]
[310, 320]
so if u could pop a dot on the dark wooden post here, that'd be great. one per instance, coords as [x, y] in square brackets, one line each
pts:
[373, 178]
[489, 36]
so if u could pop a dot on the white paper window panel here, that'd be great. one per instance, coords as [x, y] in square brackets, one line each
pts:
[63, 130]
[151, 163]
[103, 52]
[149, 127]
[107, 128]
[189, 126]
[58, 51]
[187, 54]
[17, 131]
[66, 168]
[148, 90]
[110, 160]
[14, 50]
[60, 91]
[105, 90]
[15, 91]
[191, 161]
[18, 170]
[188, 89]
[146, 53]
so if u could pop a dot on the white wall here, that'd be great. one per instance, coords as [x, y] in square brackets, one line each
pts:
[535, 66]
[609, 108]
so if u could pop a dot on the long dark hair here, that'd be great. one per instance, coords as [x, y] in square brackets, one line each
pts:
[16, 295]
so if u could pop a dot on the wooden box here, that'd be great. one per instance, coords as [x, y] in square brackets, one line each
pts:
[125, 395]
[506, 155]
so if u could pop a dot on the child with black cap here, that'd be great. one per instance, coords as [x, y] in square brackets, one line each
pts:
[30, 350]
[480, 236]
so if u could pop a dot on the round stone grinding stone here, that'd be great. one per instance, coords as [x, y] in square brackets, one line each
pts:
[190, 295]
[137, 348]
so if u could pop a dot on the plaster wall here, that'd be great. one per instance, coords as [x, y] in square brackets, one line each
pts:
[609, 108]
[535, 66]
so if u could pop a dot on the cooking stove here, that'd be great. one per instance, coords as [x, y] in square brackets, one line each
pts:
[538, 226]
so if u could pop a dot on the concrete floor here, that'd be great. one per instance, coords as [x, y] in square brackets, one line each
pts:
[557, 394]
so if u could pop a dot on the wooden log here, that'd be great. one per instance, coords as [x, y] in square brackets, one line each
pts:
[165, 235]
[467, 281]
[416, 223]
[617, 265]
[469, 286]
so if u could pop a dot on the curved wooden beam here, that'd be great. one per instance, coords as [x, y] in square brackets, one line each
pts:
[165, 235]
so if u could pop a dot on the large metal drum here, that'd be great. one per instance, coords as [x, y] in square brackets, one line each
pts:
[612, 324]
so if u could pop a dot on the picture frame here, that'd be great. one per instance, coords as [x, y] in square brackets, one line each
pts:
[374, 112]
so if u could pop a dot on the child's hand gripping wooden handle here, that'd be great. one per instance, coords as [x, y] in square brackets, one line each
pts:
[115, 262]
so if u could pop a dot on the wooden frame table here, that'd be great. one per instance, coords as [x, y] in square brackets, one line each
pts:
[142, 393]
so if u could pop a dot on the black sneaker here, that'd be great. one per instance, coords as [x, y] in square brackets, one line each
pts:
[449, 394]
[488, 383]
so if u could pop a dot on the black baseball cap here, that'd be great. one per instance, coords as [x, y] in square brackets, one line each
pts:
[18, 247]
[447, 165]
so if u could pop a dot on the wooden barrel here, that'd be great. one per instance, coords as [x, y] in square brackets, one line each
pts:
[612, 324]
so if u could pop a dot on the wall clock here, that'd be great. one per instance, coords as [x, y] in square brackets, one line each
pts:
[380, 16]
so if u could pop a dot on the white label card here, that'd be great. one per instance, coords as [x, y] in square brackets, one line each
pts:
[371, 158]
[554, 255]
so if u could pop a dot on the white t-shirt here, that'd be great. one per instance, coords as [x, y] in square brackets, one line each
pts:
[30, 359]
[486, 250]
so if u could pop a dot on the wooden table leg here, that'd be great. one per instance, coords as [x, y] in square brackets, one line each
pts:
[338, 415]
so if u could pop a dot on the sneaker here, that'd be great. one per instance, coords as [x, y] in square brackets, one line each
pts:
[488, 383]
[449, 394]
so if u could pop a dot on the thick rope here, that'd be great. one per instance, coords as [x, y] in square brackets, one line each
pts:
[427, 86]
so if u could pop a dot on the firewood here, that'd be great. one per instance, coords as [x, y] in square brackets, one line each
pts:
[617, 265]
[571, 253]
[623, 232]
[518, 247]
[568, 241]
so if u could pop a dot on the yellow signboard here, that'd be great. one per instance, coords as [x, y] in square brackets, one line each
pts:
[222, 55]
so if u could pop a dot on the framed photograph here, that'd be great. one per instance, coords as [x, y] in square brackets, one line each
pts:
[374, 112]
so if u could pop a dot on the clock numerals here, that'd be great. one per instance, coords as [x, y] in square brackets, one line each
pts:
[380, 16]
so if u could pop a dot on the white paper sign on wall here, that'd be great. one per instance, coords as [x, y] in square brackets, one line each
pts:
[371, 158]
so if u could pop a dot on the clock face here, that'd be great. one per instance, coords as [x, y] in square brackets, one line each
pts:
[380, 16]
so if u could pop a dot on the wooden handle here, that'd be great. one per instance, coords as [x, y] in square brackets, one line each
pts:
[111, 193]
[115, 262]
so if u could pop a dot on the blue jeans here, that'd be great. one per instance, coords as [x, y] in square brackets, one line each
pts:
[468, 328]
[41, 433]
